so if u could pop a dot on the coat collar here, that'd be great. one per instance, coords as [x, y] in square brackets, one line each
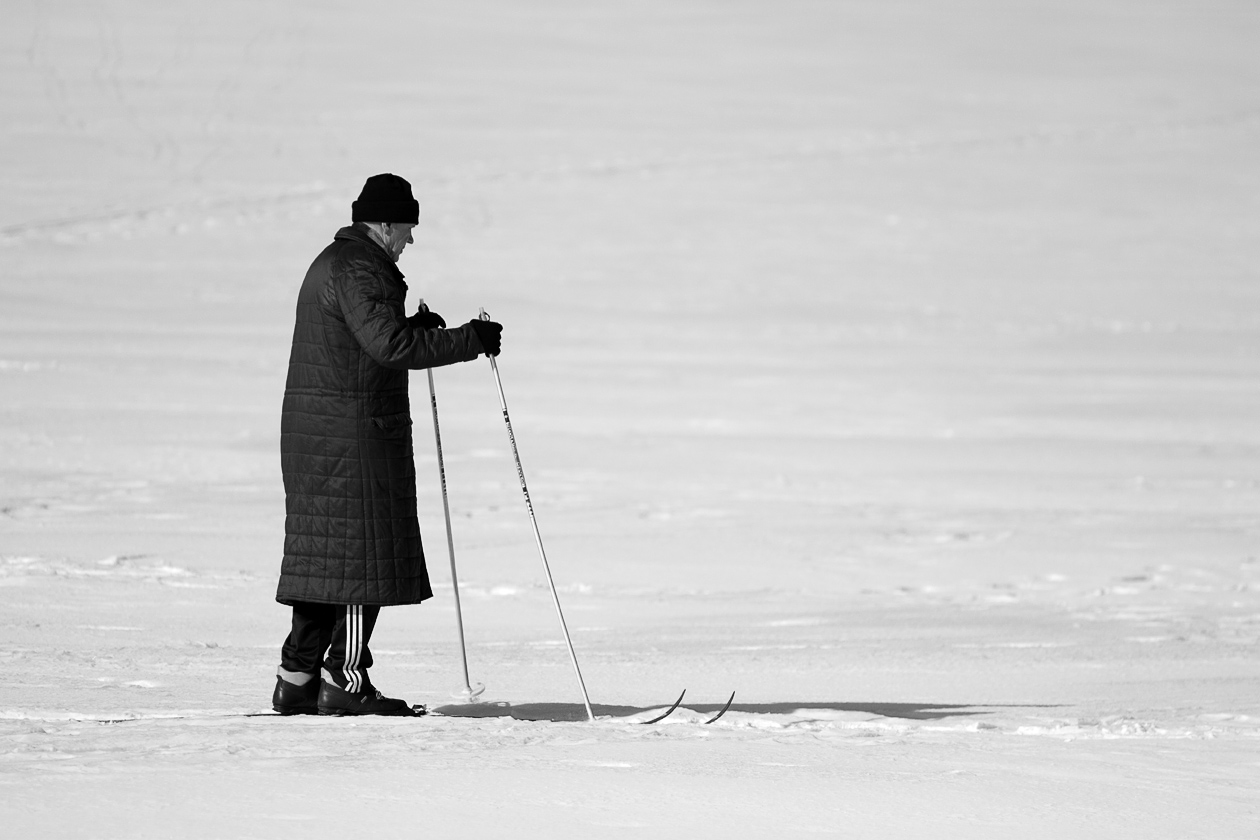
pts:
[358, 232]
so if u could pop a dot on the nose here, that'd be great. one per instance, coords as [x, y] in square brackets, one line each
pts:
[410, 239]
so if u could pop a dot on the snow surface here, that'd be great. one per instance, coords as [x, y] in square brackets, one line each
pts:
[892, 364]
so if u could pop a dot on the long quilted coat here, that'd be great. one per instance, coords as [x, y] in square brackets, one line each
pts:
[351, 534]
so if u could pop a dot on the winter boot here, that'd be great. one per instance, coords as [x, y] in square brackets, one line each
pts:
[290, 699]
[338, 701]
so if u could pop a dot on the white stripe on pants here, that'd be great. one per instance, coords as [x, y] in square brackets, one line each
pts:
[354, 648]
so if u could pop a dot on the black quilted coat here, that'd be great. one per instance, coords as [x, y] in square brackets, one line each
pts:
[351, 534]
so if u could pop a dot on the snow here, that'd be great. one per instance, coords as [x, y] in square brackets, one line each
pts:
[892, 365]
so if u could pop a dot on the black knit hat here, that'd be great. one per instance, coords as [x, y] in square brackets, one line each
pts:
[386, 198]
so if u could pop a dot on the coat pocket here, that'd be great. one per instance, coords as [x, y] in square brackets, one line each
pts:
[392, 422]
[389, 465]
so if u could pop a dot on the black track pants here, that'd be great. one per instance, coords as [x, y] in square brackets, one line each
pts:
[338, 634]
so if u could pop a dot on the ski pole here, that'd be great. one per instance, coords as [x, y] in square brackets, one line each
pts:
[450, 538]
[520, 473]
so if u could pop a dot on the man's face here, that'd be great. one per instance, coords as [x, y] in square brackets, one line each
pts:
[398, 237]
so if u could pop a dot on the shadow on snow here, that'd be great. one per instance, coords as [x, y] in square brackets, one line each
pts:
[576, 712]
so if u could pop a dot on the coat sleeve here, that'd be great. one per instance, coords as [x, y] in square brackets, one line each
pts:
[376, 320]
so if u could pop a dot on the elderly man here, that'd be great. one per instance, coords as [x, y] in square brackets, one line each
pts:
[352, 540]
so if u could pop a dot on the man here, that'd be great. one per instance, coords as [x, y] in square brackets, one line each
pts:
[352, 540]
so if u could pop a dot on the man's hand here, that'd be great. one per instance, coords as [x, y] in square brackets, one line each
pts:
[490, 334]
[427, 320]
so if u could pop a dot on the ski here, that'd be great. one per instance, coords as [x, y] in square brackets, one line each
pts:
[159, 718]
[566, 713]
[669, 712]
[729, 701]
[527, 712]
[417, 710]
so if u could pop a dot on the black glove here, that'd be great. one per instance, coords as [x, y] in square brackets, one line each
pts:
[490, 334]
[426, 320]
